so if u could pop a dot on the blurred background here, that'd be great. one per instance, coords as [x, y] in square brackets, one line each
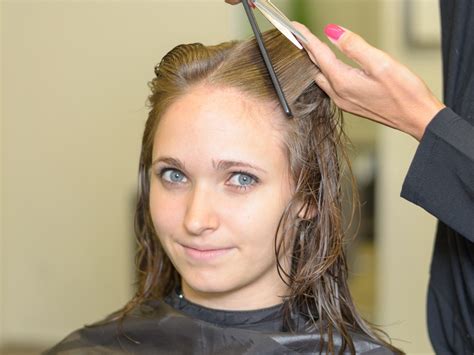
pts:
[74, 87]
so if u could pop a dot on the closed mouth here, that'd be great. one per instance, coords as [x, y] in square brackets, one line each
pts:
[205, 254]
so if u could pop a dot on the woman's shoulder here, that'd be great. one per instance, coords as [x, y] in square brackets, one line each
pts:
[314, 343]
[157, 328]
[114, 334]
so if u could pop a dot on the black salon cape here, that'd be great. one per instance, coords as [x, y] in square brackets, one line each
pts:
[441, 180]
[181, 327]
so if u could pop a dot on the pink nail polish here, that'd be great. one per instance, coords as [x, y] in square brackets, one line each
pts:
[333, 31]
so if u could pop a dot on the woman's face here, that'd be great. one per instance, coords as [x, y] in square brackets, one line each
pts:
[219, 185]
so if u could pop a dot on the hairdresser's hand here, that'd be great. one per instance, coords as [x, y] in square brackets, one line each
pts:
[381, 89]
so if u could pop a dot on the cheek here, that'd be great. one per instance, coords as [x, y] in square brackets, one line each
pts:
[255, 220]
[271, 209]
[165, 211]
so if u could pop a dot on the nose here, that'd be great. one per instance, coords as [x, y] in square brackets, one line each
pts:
[200, 217]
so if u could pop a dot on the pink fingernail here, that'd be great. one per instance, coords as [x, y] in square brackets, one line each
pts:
[333, 31]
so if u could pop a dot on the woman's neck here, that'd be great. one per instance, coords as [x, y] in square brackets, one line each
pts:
[237, 300]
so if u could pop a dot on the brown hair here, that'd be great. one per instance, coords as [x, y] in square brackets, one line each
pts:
[317, 278]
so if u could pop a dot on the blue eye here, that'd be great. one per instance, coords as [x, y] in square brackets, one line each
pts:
[242, 180]
[173, 176]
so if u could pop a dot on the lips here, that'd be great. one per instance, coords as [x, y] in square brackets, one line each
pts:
[205, 253]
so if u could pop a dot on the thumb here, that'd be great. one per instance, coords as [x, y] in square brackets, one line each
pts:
[356, 48]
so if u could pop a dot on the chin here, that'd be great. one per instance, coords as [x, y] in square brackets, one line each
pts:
[208, 282]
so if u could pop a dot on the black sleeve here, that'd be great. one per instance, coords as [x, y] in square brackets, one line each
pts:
[441, 175]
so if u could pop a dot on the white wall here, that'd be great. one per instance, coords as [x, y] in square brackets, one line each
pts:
[74, 90]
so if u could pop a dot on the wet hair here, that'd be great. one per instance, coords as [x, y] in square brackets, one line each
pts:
[311, 224]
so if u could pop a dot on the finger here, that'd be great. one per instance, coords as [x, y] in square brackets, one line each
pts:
[323, 83]
[332, 68]
[369, 58]
[326, 86]
[347, 105]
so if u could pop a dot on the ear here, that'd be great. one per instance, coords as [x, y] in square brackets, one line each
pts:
[306, 211]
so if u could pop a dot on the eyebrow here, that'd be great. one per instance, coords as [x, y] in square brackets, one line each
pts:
[170, 161]
[219, 165]
[227, 164]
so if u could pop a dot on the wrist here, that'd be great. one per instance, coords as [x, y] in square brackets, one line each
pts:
[424, 118]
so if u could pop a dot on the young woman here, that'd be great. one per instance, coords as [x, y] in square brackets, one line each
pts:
[238, 221]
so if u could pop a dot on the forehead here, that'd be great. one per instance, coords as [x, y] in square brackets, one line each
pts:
[219, 121]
